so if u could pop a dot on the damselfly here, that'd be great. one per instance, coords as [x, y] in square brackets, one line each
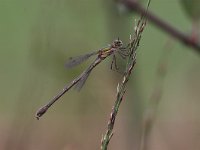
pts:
[115, 47]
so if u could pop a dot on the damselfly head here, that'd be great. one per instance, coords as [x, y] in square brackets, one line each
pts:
[117, 43]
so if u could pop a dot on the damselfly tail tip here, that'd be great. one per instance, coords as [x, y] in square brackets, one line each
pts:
[38, 118]
[40, 112]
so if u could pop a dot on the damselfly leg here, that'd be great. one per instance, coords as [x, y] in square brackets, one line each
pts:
[114, 61]
[123, 53]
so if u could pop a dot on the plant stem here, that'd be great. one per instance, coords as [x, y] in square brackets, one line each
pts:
[121, 88]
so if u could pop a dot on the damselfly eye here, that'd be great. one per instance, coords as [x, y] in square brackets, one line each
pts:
[118, 43]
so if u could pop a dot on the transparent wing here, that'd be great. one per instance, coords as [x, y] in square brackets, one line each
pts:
[86, 73]
[74, 61]
[81, 82]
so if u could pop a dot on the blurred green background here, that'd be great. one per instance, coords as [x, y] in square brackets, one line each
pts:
[36, 39]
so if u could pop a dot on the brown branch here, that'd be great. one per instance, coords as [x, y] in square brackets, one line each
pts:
[187, 40]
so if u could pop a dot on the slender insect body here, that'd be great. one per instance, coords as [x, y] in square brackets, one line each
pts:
[105, 53]
[115, 46]
[78, 82]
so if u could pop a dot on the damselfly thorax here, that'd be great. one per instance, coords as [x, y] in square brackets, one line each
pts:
[116, 45]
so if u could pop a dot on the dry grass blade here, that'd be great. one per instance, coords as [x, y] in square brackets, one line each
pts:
[121, 88]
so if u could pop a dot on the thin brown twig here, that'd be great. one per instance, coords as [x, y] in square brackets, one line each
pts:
[187, 40]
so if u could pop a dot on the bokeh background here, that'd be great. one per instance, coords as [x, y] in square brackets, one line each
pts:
[36, 39]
